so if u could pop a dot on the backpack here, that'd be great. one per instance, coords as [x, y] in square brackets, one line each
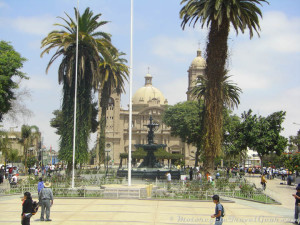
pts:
[35, 207]
[223, 211]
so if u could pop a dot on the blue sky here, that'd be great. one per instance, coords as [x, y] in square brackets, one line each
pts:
[266, 68]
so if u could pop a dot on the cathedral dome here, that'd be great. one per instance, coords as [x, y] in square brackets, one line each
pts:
[199, 61]
[148, 93]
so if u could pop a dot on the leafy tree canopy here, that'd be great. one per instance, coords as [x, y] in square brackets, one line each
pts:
[10, 64]
[185, 120]
[262, 134]
[294, 142]
[57, 122]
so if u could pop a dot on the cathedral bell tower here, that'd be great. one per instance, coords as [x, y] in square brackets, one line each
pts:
[196, 68]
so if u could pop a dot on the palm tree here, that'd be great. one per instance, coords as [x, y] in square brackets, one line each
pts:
[230, 91]
[115, 72]
[93, 45]
[218, 15]
[29, 135]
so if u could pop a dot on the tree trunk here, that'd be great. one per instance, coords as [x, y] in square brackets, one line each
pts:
[197, 154]
[105, 94]
[213, 119]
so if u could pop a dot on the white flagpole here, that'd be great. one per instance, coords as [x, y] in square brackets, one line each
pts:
[75, 99]
[130, 94]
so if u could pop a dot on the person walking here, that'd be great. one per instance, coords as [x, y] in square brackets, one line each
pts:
[46, 200]
[191, 173]
[26, 209]
[297, 205]
[40, 184]
[219, 210]
[263, 181]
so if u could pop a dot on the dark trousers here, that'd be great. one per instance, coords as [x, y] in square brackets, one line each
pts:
[26, 221]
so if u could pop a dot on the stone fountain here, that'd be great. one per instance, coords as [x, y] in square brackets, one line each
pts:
[150, 167]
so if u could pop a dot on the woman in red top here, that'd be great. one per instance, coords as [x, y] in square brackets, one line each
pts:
[26, 209]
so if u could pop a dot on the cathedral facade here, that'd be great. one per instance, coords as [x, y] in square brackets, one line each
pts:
[147, 101]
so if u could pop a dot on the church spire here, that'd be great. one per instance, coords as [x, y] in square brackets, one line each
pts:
[148, 79]
[198, 53]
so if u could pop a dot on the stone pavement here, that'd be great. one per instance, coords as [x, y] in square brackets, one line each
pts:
[130, 212]
[280, 192]
[125, 211]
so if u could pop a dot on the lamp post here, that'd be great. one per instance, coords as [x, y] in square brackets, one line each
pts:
[75, 99]
[130, 92]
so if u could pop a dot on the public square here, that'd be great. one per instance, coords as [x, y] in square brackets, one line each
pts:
[129, 211]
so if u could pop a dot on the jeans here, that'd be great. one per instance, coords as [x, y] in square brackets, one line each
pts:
[45, 205]
[297, 212]
[219, 222]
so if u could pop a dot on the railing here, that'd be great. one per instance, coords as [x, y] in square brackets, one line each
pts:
[207, 195]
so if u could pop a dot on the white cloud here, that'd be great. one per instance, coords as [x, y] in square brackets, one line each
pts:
[37, 25]
[280, 33]
[174, 49]
[174, 91]
[41, 82]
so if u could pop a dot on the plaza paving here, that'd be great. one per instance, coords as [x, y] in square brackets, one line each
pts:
[125, 211]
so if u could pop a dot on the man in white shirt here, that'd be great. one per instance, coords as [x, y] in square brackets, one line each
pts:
[14, 179]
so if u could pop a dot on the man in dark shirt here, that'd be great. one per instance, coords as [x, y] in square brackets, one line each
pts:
[297, 205]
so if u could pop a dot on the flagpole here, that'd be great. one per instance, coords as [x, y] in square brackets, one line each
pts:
[130, 94]
[75, 99]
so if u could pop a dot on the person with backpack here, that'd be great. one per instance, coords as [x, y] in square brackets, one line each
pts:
[26, 209]
[219, 210]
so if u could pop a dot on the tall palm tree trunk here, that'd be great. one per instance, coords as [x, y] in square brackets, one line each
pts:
[216, 58]
[82, 125]
[103, 108]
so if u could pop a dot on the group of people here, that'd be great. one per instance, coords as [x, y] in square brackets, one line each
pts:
[45, 170]
[11, 174]
[45, 202]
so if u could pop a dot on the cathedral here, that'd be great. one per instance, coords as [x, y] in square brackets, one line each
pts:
[147, 101]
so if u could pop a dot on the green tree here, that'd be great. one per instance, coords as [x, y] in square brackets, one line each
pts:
[262, 134]
[10, 64]
[29, 134]
[13, 156]
[291, 161]
[218, 15]
[5, 145]
[92, 46]
[31, 161]
[185, 121]
[115, 73]
[294, 142]
[230, 91]
[58, 123]
[234, 145]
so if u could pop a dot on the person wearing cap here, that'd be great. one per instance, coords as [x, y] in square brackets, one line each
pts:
[46, 200]
[297, 204]
[219, 210]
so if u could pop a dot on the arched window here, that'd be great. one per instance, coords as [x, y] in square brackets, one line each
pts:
[111, 103]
